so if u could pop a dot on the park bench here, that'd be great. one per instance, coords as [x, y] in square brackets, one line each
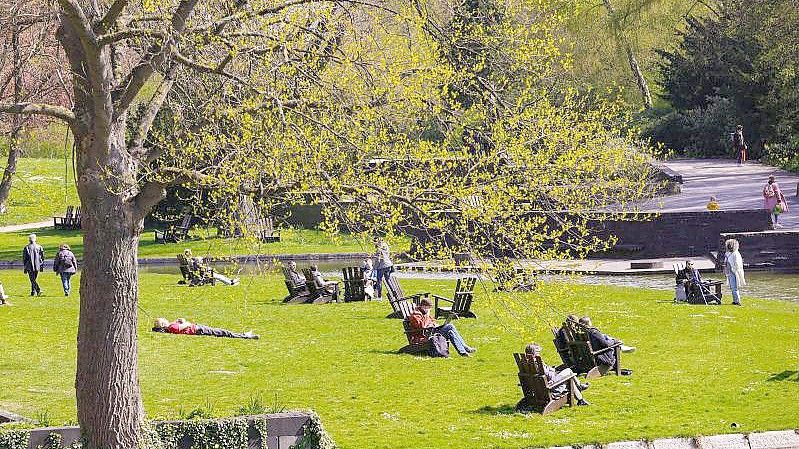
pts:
[399, 301]
[461, 302]
[174, 234]
[298, 293]
[194, 276]
[582, 355]
[416, 348]
[317, 295]
[65, 221]
[538, 393]
[354, 284]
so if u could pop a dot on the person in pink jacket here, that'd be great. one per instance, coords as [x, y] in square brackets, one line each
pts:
[774, 201]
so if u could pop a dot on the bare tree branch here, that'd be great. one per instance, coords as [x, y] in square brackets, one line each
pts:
[111, 16]
[38, 109]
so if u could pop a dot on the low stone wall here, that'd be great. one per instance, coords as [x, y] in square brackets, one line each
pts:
[774, 250]
[282, 430]
[787, 439]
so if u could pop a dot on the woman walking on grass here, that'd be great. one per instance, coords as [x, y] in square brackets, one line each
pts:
[65, 265]
[734, 269]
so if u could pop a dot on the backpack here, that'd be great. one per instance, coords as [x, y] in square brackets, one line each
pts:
[439, 346]
[64, 261]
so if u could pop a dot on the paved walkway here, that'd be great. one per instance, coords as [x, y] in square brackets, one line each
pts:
[24, 226]
[736, 187]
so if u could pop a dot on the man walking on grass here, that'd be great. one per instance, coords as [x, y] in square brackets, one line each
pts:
[32, 258]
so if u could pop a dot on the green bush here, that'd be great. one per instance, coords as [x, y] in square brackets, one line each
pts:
[784, 155]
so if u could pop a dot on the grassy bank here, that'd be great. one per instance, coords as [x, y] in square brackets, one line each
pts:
[697, 369]
[38, 192]
[293, 241]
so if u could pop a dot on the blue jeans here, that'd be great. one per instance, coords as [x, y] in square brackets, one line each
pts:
[65, 281]
[450, 333]
[733, 280]
[382, 273]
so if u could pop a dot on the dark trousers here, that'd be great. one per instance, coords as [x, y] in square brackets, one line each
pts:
[382, 274]
[35, 289]
[217, 332]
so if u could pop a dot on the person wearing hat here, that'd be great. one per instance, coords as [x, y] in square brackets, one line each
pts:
[420, 319]
[553, 375]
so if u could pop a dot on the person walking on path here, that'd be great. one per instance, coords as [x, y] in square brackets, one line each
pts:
[774, 201]
[734, 269]
[383, 265]
[32, 258]
[739, 144]
[65, 265]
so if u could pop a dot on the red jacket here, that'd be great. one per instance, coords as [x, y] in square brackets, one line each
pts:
[419, 320]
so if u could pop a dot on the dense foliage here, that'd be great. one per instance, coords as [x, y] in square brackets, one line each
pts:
[737, 66]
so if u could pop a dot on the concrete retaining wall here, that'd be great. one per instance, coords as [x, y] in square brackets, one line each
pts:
[282, 430]
[775, 250]
[787, 439]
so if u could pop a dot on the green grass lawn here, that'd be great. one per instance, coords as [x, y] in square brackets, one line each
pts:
[293, 241]
[697, 369]
[38, 191]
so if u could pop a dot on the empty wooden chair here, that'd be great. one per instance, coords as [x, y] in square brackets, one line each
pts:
[354, 284]
[65, 221]
[539, 395]
[461, 302]
[75, 221]
[174, 234]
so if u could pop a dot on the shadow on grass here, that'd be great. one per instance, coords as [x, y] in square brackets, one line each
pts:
[505, 409]
[785, 375]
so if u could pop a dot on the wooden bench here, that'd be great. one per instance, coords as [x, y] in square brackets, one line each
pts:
[582, 354]
[461, 302]
[298, 293]
[416, 348]
[399, 301]
[538, 394]
[317, 294]
[174, 234]
[65, 221]
[354, 284]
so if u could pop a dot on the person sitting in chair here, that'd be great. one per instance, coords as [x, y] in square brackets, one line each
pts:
[183, 326]
[605, 360]
[561, 341]
[296, 277]
[420, 319]
[369, 277]
[694, 284]
[200, 267]
[553, 375]
[328, 287]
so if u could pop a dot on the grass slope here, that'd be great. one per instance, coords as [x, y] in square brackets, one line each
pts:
[293, 241]
[38, 191]
[697, 369]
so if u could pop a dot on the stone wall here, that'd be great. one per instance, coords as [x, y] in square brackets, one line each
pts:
[773, 250]
[282, 430]
[675, 234]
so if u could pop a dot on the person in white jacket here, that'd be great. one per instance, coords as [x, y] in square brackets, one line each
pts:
[734, 269]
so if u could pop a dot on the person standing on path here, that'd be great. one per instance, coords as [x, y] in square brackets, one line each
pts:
[734, 269]
[739, 144]
[383, 265]
[774, 201]
[32, 258]
[65, 265]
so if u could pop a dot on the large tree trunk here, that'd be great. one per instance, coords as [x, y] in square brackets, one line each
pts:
[110, 411]
[14, 151]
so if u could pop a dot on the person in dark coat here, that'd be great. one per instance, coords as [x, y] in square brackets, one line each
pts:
[607, 359]
[65, 265]
[562, 342]
[32, 258]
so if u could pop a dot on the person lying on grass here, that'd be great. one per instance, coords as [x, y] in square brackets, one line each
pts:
[553, 375]
[607, 359]
[182, 326]
[421, 319]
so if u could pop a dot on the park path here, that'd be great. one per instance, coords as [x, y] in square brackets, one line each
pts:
[736, 187]
[24, 226]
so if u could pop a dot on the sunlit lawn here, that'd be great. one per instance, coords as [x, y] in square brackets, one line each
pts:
[41, 189]
[697, 369]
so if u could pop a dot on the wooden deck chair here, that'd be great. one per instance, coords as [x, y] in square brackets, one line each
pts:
[317, 294]
[461, 303]
[298, 293]
[354, 284]
[583, 354]
[268, 233]
[538, 394]
[75, 222]
[174, 234]
[63, 222]
[399, 300]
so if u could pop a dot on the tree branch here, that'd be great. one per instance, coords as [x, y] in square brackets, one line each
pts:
[39, 109]
[148, 117]
[111, 38]
[111, 16]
